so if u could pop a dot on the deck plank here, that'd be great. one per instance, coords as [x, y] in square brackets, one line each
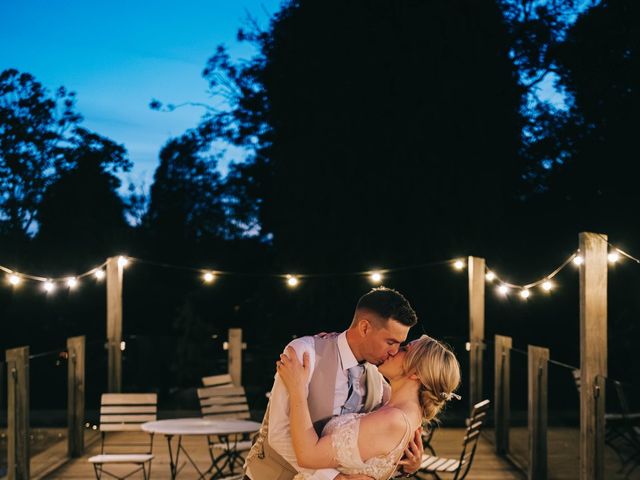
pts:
[447, 442]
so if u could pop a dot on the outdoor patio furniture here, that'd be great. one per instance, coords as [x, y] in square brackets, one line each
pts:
[460, 467]
[125, 412]
[222, 428]
[223, 380]
[622, 431]
[220, 399]
[427, 435]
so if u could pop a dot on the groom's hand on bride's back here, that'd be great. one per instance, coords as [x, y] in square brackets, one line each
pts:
[412, 457]
[357, 476]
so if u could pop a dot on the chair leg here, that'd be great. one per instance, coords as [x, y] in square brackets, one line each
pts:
[97, 470]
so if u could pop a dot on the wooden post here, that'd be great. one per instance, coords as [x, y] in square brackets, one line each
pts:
[18, 413]
[502, 392]
[75, 396]
[114, 324]
[538, 379]
[476, 327]
[235, 356]
[593, 353]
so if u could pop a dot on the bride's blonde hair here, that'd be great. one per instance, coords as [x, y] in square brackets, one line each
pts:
[438, 370]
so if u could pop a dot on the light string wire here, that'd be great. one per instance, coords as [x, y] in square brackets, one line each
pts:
[39, 278]
[375, 275]
[535, 283]
[301, 275]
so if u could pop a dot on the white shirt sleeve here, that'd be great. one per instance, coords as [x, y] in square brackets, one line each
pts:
[279, 431]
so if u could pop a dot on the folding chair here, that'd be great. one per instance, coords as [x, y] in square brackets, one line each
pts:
[459, 468]
[121, 416]
[622, 434]
[220, 400]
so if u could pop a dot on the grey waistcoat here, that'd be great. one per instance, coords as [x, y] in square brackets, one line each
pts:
[265, 462]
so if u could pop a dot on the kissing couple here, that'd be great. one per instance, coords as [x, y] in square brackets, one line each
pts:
[351, 406]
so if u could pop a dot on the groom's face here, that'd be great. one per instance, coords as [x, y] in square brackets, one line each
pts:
[383, 340]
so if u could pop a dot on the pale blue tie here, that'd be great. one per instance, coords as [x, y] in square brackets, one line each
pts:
[354, 397]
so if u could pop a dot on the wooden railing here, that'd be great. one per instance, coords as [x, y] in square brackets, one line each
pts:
[18, 409]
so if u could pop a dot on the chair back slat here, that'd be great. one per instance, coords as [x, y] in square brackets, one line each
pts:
[129, 399]
[215, 409]
[235, 400]
[228, 415]
[128, 409]
[223, 402]
[207, 392]
[119, 419]
[217, 380]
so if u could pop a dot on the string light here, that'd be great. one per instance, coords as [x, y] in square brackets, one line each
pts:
[547, 286]
[490, 276]
[208, 277]
[458, 264]
[578, 260]
[123, 261]
[524, 293]
[503, 290]
[14, 280]
[72, 282]
[292, 281]
[375, 277]
[99, 274]
[49, 286]
[613, 257]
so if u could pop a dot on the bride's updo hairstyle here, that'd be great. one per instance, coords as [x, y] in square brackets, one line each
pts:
[438, 370]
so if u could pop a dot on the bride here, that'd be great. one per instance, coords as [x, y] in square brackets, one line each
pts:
[423, 376]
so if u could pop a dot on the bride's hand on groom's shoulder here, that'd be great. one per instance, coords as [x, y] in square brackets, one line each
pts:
[293, 373]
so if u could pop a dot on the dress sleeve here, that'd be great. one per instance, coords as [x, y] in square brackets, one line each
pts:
[345, 442]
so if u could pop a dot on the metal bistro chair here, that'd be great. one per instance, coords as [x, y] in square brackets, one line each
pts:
[459, 468]
[220, 400]
[125, 413]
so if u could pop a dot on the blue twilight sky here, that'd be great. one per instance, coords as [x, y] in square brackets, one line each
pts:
[117, 55]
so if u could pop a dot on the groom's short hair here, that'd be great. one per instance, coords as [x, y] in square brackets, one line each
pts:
[388, 303]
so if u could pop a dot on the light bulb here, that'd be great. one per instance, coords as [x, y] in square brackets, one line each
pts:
[99, 274]
[292, 281]
[458, 264]
[123, 261]
[72, 282]
[503, 289]
[524, 293]
[375, 277]
[578, 260]
[14, 280]
[613, 257]
[547, 286]
[490, 276]
[49, 286]
[208, 277]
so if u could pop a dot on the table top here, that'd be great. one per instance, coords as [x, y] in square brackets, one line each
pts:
[200, 426]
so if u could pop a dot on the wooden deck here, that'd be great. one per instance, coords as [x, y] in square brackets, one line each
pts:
[446, 442]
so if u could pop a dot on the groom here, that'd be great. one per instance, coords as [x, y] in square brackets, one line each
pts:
[343, 379]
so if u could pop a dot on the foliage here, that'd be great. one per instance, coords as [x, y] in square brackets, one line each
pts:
[34, 129]
[81, 210]
[404, 119]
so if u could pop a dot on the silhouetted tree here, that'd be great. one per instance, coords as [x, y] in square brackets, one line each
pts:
[394, 137]
[33, 128]
[599, 63]
[186, 201]
[81, 213]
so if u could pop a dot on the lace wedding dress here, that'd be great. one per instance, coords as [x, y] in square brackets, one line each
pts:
[344, 436]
